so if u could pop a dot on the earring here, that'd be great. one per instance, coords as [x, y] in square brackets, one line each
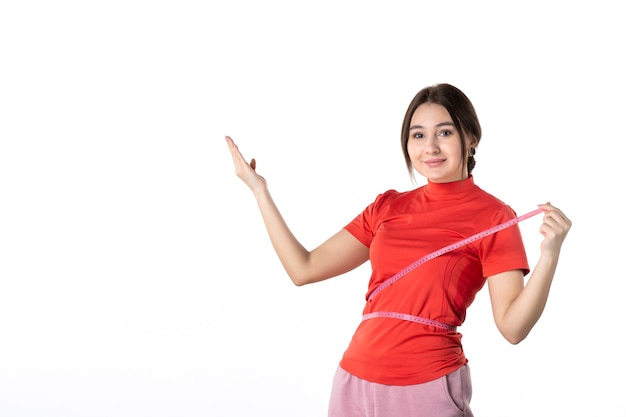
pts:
[472, 151]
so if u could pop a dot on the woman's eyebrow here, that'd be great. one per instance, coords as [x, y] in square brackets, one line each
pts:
[437, 125]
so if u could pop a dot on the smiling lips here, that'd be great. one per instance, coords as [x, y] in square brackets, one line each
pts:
[433, 163]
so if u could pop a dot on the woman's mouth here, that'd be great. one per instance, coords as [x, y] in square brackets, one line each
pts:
[433, 163]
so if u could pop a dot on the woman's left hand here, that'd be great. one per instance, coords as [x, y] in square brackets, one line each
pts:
[554, 228]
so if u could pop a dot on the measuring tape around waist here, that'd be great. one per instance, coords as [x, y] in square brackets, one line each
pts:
[408, 317]
[449, 248]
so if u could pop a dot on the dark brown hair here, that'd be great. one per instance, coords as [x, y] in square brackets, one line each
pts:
[461, 110]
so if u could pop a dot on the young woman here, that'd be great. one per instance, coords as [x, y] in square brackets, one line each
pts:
[406, 358]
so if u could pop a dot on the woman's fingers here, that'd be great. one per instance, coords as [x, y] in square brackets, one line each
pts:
[244, 170]
[555, 216]
[234, 151]
[238, 159]
[555, 226]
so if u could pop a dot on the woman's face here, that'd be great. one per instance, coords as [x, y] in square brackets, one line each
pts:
[434, 145]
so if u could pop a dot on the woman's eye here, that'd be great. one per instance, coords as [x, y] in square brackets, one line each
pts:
[445, 133]
[418, 136]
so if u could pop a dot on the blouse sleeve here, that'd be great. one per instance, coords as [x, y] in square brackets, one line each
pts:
[504, 251]
[364, 226]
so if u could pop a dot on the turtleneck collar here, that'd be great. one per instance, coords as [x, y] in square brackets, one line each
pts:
[451, 188]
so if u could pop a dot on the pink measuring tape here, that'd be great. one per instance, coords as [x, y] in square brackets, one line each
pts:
[427, 258]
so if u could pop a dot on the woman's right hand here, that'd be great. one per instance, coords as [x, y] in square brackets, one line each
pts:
[339, 254]
[244, 170]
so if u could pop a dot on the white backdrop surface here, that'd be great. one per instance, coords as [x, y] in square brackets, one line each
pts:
[136, 278]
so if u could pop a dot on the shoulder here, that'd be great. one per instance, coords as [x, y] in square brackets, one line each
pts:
[496, 209]
[393, 197]
[488, 197]
[389, 201]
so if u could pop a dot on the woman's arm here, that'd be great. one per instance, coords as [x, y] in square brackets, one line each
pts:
[517, 307]
[341, 253]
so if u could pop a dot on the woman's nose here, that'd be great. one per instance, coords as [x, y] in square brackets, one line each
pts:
[432, 146]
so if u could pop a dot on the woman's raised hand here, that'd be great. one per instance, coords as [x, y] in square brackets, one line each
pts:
[244, 170]
[554, 228]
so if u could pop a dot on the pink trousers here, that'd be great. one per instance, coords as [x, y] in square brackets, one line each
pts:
[448, 396]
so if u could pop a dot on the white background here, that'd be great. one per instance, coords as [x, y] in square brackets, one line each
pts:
[136, 278]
